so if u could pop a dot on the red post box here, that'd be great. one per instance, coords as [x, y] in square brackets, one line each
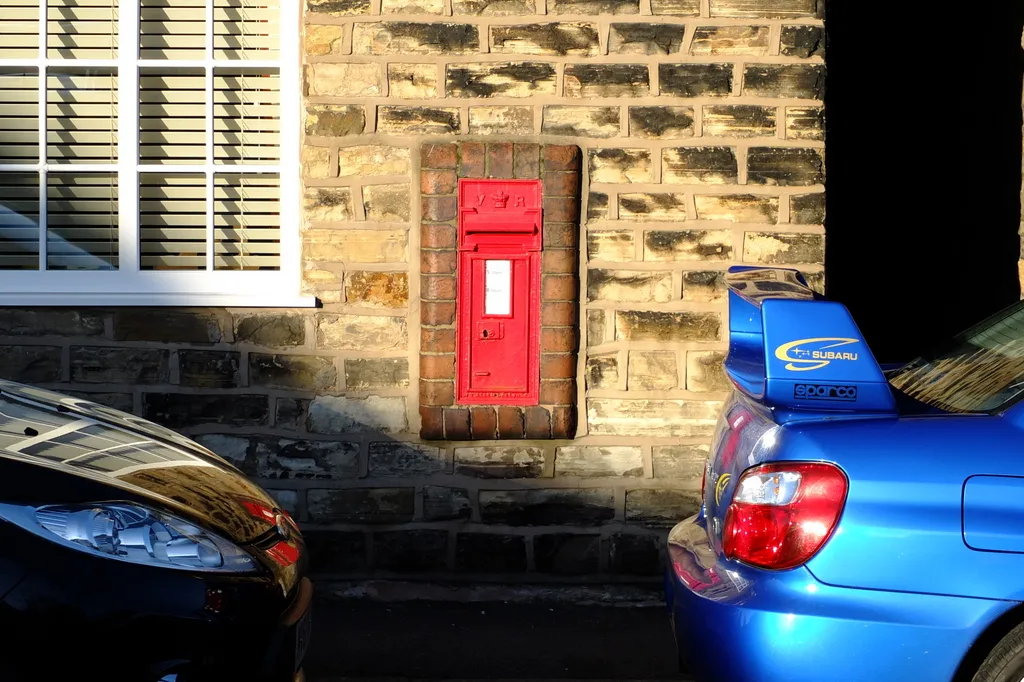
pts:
[498, 300]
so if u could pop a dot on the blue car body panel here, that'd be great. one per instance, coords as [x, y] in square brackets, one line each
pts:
[928, 552]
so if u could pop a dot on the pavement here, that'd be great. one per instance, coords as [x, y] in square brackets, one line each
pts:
[413, 641]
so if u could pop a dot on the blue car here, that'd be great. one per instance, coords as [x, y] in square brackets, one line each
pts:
[857, 522]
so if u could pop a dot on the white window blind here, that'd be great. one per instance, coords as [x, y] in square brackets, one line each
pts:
[142, 144]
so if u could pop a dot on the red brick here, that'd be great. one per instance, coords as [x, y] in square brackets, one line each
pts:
[456, 424]
[438, 181]
[561, 184]
[438, 237]
[437, 287]
[432, 313]
[431, 424]
[558, 288]
[558, 340]
[560, 235]
[558, 366]
[439, 155]
[558, 314]
[473, 160]
[437, 393]
[483, 422]
[527, 161]
[560, 261]
[437, 340]
[563, 422]
[538, 423]
[510, 422]
[437, 367]
[561, 157]
[439, 209]
[562, 209]
[499, 160]
[438, 262]
[558, 392]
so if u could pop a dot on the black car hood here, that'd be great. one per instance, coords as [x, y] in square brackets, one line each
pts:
[104, 445]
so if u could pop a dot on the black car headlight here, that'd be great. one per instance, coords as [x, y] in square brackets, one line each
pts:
[132, 533]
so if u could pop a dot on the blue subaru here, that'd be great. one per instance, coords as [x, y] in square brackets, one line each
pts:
[857, 522]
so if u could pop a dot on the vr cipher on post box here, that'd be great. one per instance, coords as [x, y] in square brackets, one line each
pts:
[498, 302]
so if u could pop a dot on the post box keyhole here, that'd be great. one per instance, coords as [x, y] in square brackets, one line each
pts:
[485, 334]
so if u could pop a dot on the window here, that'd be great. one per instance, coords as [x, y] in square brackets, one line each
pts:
[142, 144]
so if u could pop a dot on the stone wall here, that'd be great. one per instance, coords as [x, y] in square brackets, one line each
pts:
[701, 135]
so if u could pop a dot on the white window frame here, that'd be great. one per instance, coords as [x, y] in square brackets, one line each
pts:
[128, 285]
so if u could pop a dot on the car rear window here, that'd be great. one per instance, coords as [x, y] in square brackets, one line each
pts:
[978, 371]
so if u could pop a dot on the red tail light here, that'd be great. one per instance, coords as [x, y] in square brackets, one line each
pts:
[782, 513]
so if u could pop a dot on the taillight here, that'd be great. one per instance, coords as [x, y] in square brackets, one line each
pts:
[782, 513]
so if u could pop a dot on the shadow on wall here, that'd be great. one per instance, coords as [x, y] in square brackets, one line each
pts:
[924, 167]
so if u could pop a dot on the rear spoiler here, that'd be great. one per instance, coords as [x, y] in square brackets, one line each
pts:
[798, 353]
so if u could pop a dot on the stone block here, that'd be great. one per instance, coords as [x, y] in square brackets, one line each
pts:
[442, 503]
[737, 208]
[660, 508]
[338, 8]
[317, 163]
[667, 123]
[800, 81]
[333, 551]
[704, 371]
[340, 79]
[327, 205]
[409, 38]
[323, 39]
[37, 322]
[576, 39]
[412, 7]
[632, 554]
[288, 500]
[629, 286]
[567, 553]
[777, 248]
[500, 79]
[372, 159]
[593, 8]
[807, 209]
[290, 413]
[500, 462]
[652, 371]
[652, 418]
[603, 371]
[334, 120]
[339, 414]
[361, 505]
[716, 40]
[172, 326]
[118, 401]
[410, 551]
[599, 462]
[802, 41]
[412, 81]
[362, 374]
[30, 364]
[699, 165]
[580, 121]
[695, 80]
[176, 410]
[361, 332]
[405, 120]
[597, 327]
[295, 372]
[287, 459]
[768, 9]
[271, 330]
[652, 206]
[99, 365]
[496, 8]
[683, 462]
[545, 507]
[489, 553]
[740, 121]
[395, 460]
[645, 39]
[705, 286]
[611, 245]
[649, 325]
[355, 246]
[785, 166]
[208, 368]
[685, 8]
[238, 450]
[805, 123]
[597, 206]
[607, 80]
[501, 120]
[616, 165]
[386, 202]
[687, 245]
[377, 289]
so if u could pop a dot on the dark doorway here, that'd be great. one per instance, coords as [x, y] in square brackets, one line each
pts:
[924, 167]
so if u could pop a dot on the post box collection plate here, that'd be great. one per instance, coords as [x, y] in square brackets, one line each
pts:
[498, 297]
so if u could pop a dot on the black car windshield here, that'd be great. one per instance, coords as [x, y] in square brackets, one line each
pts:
[978, 371]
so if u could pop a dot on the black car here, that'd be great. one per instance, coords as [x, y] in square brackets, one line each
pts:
[128, 552]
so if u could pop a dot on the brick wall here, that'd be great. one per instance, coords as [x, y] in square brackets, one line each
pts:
[700, 129]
